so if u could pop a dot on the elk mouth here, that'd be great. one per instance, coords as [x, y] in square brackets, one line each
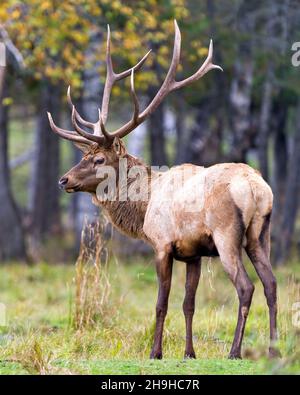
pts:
[71, 189]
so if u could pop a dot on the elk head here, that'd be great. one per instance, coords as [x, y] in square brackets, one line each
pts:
[101, 147]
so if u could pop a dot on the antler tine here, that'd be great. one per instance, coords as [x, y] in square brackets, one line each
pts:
[169, 81]
[77, 115]
[206, 66]
[112, 77]
[136, 67]
[66, 134]
[69, 96]
[109, 138]
[96, 127]
[83, 133]
[136, 110]
[96, 137]
[135, 117]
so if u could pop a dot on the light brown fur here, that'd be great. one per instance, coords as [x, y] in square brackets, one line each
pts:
[190, 212]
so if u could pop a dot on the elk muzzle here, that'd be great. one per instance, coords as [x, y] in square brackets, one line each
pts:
[63, 182]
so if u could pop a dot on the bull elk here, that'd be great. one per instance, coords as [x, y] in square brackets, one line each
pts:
[233, 211]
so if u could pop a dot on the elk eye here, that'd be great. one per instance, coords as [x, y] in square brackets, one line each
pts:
[99, 161]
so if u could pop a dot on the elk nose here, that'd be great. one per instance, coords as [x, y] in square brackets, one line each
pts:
[62, 182]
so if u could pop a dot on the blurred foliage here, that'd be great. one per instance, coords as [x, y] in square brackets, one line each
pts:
[53, 35]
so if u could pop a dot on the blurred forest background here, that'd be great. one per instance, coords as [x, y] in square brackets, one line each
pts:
[250, 113]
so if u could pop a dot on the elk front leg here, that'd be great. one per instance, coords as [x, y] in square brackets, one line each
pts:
[193, 270]
[164, 263]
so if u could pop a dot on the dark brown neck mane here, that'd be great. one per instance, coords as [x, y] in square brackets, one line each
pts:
[128, 216]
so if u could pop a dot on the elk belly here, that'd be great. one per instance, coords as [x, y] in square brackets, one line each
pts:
[184, 250]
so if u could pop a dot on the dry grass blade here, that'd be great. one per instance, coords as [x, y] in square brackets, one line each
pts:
[33, 358]
[92, 279]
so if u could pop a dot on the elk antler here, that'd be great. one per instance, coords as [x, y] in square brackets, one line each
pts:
[100, 134]
[169, 84]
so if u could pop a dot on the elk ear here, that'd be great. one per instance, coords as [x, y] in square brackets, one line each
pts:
[119, 146]
[82, 147]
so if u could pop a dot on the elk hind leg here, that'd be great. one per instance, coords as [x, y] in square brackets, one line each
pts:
[231, 258]
[258, 250]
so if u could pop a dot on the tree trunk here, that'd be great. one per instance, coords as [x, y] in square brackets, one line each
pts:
[264, 123]
[279, 114]
[12, 244]
[157, 137]
[241, 85]
[283, 246]
[44, 201]
[240, 100]
[136, 141]
[182, 134]
[204, 141]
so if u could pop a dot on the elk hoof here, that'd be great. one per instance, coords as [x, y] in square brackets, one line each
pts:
[156, 355]
[235, 355]
[190, 355]
[274, 353]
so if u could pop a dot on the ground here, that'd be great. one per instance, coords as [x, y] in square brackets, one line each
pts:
[40, 334]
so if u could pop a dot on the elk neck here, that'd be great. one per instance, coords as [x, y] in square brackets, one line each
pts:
[128, 215]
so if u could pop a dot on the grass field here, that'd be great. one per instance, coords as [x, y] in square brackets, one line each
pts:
[40, 336]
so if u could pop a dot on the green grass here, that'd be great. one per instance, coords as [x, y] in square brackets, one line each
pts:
[39, 336]
[135, 367]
